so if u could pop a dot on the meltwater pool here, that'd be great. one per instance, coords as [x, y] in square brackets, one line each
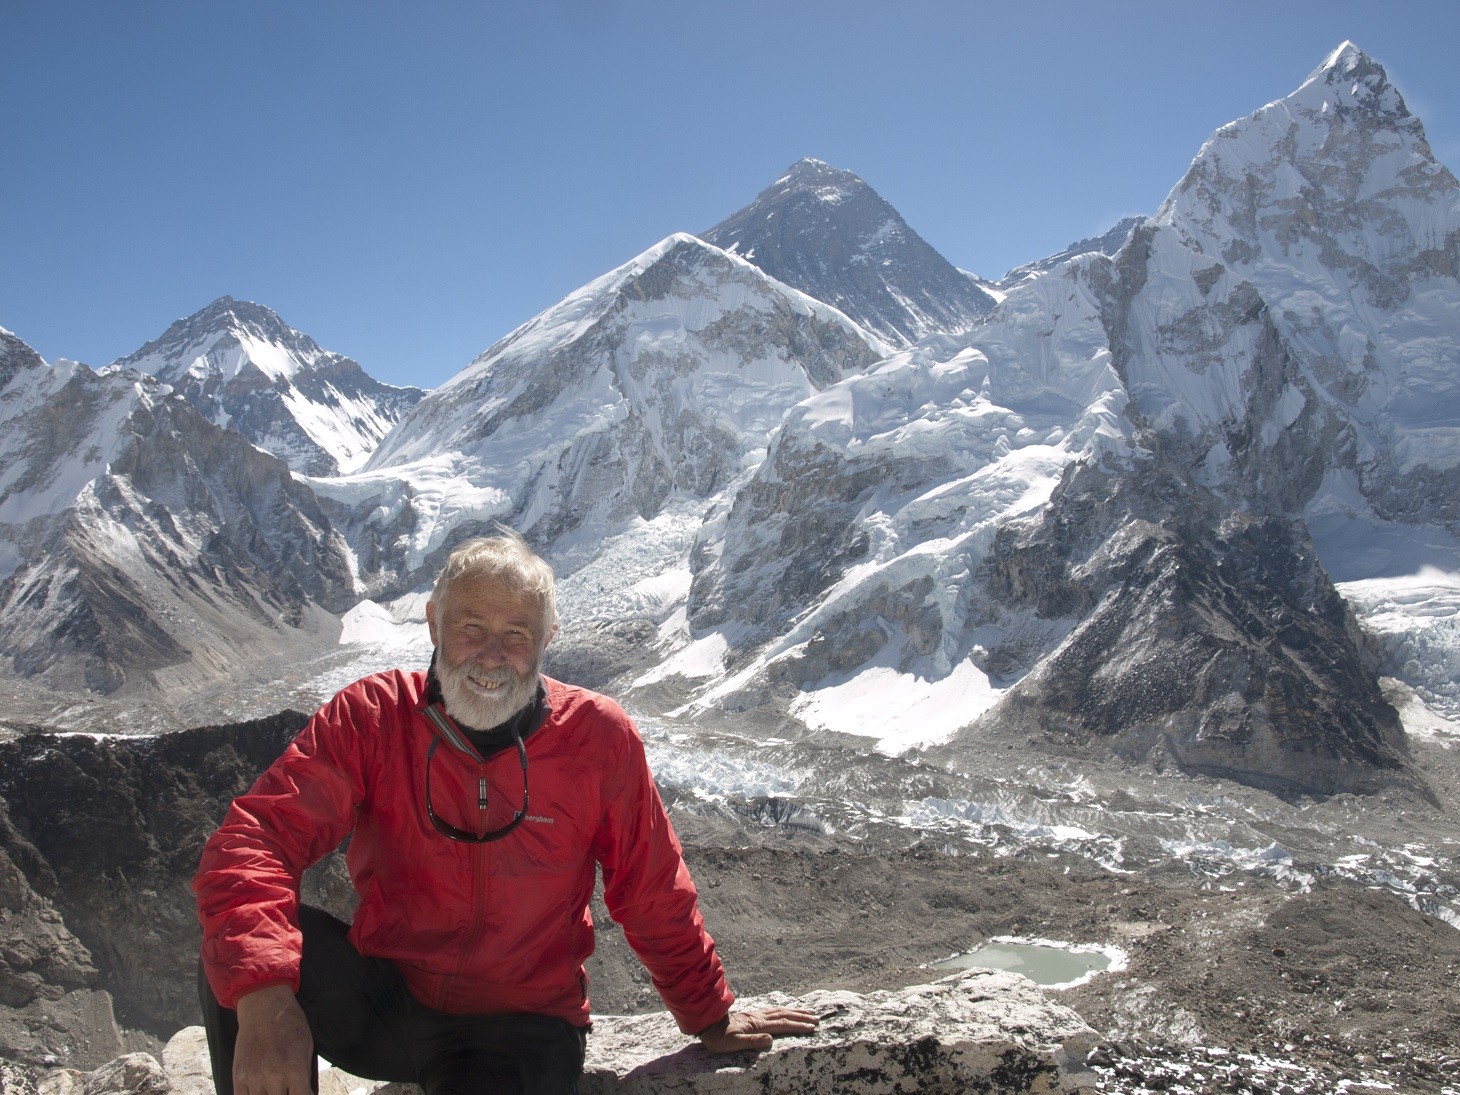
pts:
[1052, 964]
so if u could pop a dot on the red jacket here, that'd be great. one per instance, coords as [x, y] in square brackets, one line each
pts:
[474, 928]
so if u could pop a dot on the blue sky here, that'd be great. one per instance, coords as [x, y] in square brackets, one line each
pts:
[408, 182]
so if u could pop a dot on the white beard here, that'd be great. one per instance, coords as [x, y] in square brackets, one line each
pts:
[470, 705]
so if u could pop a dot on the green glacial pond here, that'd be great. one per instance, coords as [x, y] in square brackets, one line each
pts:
[1043, 963]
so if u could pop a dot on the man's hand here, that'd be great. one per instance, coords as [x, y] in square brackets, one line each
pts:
[741, 1030]
[274, 1051]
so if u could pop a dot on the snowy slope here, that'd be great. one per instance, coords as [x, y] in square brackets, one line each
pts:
[245, 369]
[141, 547]
[851, 553]
[660, 380]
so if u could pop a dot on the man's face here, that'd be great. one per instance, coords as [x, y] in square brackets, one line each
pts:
[489, 642]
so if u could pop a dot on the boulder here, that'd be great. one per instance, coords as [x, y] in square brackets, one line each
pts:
[977, 1030]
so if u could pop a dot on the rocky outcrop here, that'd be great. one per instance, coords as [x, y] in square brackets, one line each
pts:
[50, 1006]
[979, 1030]
[1208, 638]
[976, 1031]
[106, 832]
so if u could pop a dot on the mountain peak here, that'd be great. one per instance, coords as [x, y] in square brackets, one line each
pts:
[227, 312]
[1347, 59]
[810, 169]
[16, 357]
[1350, 77]
[243, 367]
[823, 230]
[190, 336]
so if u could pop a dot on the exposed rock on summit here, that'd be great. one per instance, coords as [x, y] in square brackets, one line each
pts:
[826, 232]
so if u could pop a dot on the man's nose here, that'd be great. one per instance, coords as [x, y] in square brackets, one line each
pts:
[490, 651]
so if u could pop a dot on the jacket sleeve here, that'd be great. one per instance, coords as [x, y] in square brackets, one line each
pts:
[648, 891]
[247, 886]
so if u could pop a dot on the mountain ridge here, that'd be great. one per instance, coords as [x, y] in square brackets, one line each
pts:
[809, 497]
[242, 367]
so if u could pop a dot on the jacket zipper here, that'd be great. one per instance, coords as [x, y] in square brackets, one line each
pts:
[479, 896]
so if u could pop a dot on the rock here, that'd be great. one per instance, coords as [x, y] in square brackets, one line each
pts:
[185, 1059]
[112, 830]
[133, 1074]
[16, 1078]
[977, 1030]
[77, 1029]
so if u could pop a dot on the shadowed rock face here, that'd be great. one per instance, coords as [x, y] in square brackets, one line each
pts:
[109, 831]
[1207, 636]
[826, 232]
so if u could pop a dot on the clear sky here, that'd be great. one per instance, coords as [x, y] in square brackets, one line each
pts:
[407, 182]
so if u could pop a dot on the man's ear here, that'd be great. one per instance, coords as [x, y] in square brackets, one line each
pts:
[551, 632]
[431, 621]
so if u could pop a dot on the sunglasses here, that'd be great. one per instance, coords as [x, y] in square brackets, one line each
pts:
[451, 831]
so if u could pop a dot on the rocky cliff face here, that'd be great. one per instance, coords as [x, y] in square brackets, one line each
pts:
[49, 1002]
[107, 832]
[1208, 639]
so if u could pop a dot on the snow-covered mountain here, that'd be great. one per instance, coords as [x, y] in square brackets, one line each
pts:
[658, 382]
[143, 548]
[1084, 520]
[826, 232]
[788, 474]
[241, 366]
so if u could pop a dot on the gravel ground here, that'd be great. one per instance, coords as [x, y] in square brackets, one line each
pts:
[1238, 982]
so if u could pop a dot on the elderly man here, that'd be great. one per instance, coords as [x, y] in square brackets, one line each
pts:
[478, 797]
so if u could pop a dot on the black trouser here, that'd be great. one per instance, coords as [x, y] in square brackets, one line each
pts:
[366, 1022]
